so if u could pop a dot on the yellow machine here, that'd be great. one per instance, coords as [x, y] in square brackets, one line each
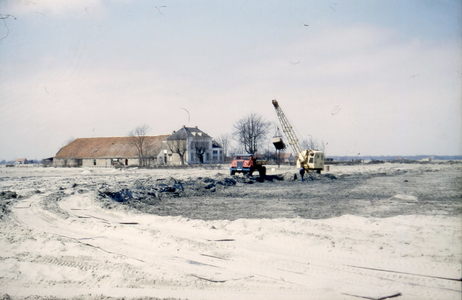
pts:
[310, 160]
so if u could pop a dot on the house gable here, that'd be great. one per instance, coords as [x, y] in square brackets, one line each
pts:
[188, 132]
[199, 146]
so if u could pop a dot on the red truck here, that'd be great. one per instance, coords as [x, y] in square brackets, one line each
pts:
[247, 164]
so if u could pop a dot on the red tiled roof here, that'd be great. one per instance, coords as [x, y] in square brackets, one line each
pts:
[109, 147]
[286, 155]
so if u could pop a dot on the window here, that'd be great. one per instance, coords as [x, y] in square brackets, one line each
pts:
[241, 157]
[94, 162]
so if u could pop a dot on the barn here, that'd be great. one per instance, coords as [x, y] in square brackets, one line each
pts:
[109, 151]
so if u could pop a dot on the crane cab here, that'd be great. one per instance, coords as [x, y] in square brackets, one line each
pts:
[311, 160]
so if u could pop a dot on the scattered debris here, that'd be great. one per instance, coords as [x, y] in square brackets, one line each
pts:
[207, 279]
[406, 273]
[8, 195]
[372, 298]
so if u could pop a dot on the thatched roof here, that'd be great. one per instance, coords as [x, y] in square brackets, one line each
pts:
[109, 147]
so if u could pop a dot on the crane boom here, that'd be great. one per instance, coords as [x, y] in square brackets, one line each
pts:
[310, 160]
[287, 129]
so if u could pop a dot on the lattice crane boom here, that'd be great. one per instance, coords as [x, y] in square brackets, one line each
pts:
[310, 160]
[288, 130]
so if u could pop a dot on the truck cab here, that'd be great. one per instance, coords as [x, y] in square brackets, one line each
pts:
[247, 164]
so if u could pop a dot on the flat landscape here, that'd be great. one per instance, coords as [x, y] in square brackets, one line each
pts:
[365, 231]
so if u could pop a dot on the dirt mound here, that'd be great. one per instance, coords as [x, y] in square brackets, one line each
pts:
[291, 176]
[154, 190]
[173, 196]
[145, 194]
[316, 176]
[211, 195]
[151, 191]
[8, 195]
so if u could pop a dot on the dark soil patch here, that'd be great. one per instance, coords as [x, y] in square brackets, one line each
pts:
[318, 197]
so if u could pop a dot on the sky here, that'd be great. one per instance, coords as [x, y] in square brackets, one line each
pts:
[379, 77]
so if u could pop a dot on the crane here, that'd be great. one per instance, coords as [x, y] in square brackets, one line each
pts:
[310, 160]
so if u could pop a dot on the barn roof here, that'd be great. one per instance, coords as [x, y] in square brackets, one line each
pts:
[287, 155]
[108, 147]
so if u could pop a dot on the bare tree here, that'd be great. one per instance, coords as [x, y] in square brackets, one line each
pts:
[235, 150]
[178, 146]
[251, 131]
[65, 143]
[224, 141]
[322, 147]
[312, 144]
[151, 152]
[308, 144]
[138, 140]
[201, 146]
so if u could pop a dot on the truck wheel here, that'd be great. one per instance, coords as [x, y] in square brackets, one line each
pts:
[319, 171]
[232, 172]
[262, 171]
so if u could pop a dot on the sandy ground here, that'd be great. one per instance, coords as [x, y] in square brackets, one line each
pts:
[355, 232]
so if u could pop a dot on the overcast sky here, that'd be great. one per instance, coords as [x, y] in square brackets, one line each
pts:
[369, 77]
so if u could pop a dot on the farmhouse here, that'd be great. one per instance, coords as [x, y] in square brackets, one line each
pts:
[108, 151]
[288, 158]
[190, 145]
[21, 161]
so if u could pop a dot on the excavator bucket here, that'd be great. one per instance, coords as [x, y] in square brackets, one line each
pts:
[278, 144]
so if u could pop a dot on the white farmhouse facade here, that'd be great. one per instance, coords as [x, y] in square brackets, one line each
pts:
[190, 145]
